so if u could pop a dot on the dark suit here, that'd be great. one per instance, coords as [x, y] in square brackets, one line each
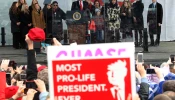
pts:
[154, 19]
[76, 5]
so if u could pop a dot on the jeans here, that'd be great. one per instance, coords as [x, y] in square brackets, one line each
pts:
[99, 35]
[88, 40]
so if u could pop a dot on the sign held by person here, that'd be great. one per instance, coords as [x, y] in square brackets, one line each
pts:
[91, 72]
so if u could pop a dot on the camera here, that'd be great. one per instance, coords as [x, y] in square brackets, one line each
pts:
[150, 71]
[23, 77]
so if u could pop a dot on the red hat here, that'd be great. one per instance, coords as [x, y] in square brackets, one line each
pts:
[36, 34]
[10, 91]
[41, 68]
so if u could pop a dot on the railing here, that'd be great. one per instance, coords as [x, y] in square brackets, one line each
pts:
[3, 36]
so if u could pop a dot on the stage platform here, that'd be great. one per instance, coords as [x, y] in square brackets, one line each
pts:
[156, 55]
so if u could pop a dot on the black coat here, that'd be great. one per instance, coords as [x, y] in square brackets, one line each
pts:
[144, 91]
[25, 19]
[14, 18]
[126, 21]
[57, 17]
[48, 19]
[76, 5]
[159, 13]
[54, 21]
[138, 9]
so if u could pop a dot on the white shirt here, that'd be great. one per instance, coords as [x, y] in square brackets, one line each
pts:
[154, 4]
[121, 92]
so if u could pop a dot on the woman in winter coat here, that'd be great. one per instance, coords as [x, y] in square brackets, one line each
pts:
[38, 17]
[113, 21]
[26, 23]
[138, 8]
[126, 19]
[15, 24]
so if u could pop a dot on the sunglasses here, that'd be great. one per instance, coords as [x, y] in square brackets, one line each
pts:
[55, 5]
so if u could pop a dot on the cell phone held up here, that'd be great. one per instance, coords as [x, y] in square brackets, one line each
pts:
[8, 78]
[150, 71]
[140, 58]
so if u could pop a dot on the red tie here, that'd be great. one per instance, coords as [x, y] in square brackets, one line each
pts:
[81, 6]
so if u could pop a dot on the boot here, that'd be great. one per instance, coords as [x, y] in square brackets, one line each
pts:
[141, 40]
[136, 39]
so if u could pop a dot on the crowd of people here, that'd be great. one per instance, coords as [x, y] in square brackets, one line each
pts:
[110, 18]
[30, 82]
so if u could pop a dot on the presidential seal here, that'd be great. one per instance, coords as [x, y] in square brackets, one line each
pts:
[76, 16]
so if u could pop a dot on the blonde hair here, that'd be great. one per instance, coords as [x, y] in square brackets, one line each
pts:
[128, 3]
[23, 9]
[20, 2]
